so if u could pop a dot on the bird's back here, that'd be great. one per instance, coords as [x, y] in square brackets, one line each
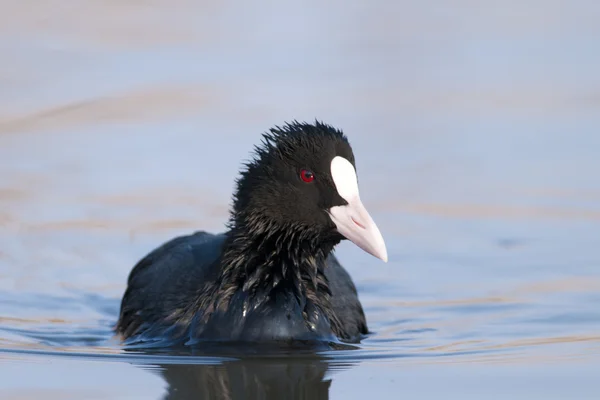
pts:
[163, 286]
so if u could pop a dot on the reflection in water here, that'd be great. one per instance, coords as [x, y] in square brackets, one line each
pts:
[250, 378]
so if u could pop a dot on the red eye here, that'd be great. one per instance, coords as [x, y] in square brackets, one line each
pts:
[307, 176]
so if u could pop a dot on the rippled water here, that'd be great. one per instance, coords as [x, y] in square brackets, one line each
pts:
[477, 135]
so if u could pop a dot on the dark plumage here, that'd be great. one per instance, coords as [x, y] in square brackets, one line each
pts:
[272, 275]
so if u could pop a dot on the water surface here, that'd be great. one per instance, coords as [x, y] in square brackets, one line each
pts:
[476, 132]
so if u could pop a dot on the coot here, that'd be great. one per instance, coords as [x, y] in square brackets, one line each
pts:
[271, 277]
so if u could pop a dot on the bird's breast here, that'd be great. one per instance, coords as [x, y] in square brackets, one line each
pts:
[277, 317]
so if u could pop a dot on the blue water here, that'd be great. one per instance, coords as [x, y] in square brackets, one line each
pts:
[476, 133]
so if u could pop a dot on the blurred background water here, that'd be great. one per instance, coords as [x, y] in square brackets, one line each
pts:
[476, 127]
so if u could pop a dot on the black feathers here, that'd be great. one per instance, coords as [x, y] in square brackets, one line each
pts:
[269, 177]
[268, 277]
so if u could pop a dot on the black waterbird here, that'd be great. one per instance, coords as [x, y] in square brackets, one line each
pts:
[272, 275]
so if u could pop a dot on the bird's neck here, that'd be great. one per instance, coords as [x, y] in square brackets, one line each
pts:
[260, 262]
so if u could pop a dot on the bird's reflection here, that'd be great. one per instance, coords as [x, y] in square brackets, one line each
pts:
[257, 376]
[249, 379]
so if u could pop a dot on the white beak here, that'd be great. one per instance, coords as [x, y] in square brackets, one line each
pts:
[353, 220]
[355, 224]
